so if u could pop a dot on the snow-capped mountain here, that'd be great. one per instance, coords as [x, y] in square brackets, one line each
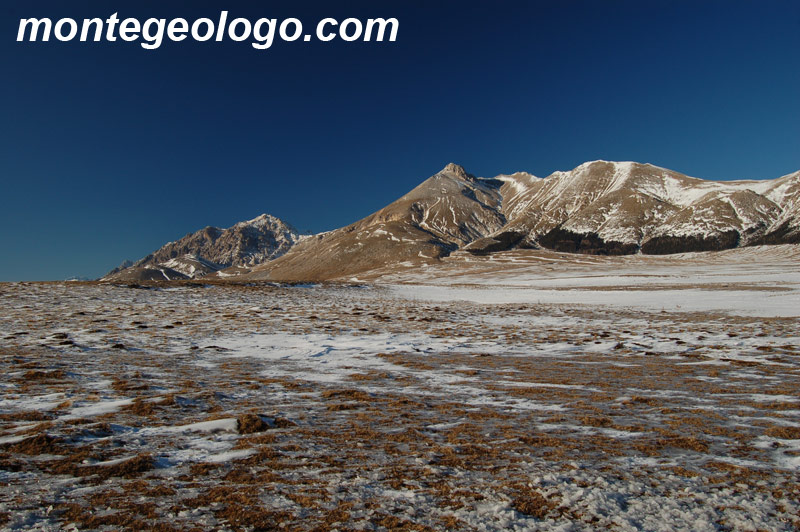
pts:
[599, 207]
[624, 207]
[209, 250]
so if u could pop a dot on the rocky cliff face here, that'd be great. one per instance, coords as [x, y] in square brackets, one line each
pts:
[209, 250]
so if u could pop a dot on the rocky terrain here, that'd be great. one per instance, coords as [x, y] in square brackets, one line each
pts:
[599, 208]
[212, 249]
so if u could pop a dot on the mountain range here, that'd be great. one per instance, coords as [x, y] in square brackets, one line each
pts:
[600, 207]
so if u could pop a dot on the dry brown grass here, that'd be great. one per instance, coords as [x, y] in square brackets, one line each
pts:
[784, 433]
[130, 468]
[532, 503]
[77, 513]
[37, 445]
[250, 424]
[655, 446]
[129, 384]
[352, 395]
[141, 407]
[26, 415]
[43, 377]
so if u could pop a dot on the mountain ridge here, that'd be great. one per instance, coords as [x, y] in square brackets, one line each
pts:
[211, 249]
[599, 207]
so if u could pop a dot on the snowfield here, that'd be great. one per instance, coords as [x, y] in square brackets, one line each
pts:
[659, 397]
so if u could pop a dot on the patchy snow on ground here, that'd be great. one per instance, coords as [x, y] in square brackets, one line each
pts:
[597, 402]
[746, 303]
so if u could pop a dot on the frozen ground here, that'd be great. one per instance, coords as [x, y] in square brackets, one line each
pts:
[473, 405]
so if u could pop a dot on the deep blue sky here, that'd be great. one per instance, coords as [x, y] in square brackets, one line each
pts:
[107, 151]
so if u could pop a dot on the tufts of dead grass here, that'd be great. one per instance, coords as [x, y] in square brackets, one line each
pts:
[784, 433]
[44, 377]
[531, 503]
[37, 445]
[131, 468]
[250, 424]
[140, 407]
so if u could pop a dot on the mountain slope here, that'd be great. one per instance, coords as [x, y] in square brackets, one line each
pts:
[212, 249]
[445, 212]
[615, 208]
[784, 191]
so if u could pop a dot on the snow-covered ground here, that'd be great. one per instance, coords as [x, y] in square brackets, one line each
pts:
[763, 303]
[639, 399]
[760, 281]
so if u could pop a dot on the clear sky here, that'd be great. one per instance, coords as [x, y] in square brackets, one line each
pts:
[107, 150]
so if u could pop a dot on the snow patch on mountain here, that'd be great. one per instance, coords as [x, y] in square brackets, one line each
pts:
[212, 249]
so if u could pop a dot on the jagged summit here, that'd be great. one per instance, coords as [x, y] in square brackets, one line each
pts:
[211, 249]
[455, 169]
[267, 220]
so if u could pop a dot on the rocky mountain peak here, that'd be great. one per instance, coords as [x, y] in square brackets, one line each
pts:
[210, 249]
[456, 170]
[265, 220]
